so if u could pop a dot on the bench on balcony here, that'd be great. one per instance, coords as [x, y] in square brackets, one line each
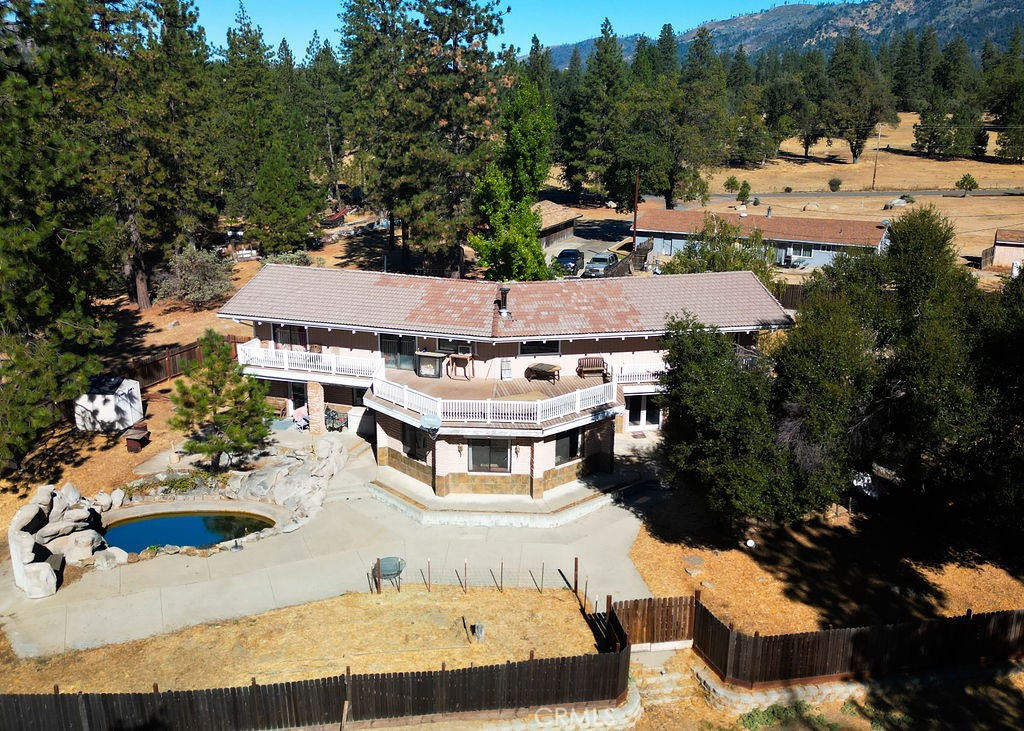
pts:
[592, 366]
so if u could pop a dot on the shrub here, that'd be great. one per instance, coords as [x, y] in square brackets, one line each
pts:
[788, 189]
[834, 183]
[197, 278]
[732, 184]
[967, 183]
[908, 198]
[294, 258]
[744, 192]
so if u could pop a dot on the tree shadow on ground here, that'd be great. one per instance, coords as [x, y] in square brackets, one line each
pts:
[989, 700]
[671, 515]
[61, 447]
[831, 158]
[867, 570]
[368, 251]
[605, 229]
[130, 333]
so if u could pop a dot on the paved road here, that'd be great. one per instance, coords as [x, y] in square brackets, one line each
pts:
[329, 556]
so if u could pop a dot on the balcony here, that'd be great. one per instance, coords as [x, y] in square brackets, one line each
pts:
[254, 355]
[638, 372]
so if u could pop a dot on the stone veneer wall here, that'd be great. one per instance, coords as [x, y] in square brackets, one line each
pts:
[388, 457]
[483, 483]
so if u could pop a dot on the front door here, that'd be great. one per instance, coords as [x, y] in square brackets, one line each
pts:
[398, 351]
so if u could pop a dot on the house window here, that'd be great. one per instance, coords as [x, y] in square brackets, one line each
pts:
[567, 446]
[290, 335]
[415, 443]
[803, 250]
[463, 347]
[490, 455]
[539, 347]
[357, 396]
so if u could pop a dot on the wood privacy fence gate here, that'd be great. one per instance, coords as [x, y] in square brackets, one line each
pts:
[757, 662]
[596, 679]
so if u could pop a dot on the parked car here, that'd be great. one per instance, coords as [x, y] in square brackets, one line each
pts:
[599, 264]
[571, 260]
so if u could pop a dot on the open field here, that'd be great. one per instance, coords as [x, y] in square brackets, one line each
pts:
[390, 632]
[899, 167]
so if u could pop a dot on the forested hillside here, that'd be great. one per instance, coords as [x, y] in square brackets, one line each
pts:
[806, 25]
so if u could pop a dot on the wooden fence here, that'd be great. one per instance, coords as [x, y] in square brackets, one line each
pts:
[789, 295]
[277, 706]
[562, 681]
[171, 363]
[754, 662]
[654, 621]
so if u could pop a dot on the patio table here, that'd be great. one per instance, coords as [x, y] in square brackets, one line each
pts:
[548, 371]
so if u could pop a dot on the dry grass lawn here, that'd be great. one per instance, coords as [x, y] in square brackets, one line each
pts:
[392, 632]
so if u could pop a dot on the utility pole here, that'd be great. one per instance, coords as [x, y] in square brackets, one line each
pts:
[878, 144]
[636, 203]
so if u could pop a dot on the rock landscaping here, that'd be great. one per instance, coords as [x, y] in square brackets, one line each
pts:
[61, 526]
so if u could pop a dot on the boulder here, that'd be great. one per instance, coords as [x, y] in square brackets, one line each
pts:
[40, 580]
[44, 497]
[29, 518]
[71, 493]
[23, 552]
[812, 206]
[117, 498]
[102, 501]
[59, 506]
[82, 545]
[895, 203]
[119, 554]
[79, 515]
[54, 530]
[105, 560]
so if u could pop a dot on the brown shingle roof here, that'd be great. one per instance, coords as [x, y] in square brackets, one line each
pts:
[834, 231]
[1010, 236]
[348, 298]
[551, 214]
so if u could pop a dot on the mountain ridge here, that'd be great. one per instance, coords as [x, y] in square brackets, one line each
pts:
[806, 25]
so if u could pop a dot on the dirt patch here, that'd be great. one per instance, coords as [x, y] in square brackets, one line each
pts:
[392, 632]
[818, 574]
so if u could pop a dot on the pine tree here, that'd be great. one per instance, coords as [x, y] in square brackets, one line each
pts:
[326, 107]
[571, 149]
[859, 100]
[222, 410]
[667, 52]
[604, 85]
[540, 70]
[283, 202]
[55, 236]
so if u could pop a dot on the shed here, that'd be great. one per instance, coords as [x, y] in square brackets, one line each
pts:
[111, 404]
[556, 222]
[1007, 248]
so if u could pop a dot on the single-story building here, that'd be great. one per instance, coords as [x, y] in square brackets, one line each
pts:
[803, 242]
[556, 222]
[1007, 248]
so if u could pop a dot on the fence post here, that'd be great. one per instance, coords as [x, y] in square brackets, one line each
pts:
[428, 575]
[376, 575]
[346, 706]
[576, 577]
[442, 705]
[167, 364]
[730, 654]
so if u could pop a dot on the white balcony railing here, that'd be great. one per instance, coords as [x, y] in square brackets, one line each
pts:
[639, 372]
[490, 410]
[254, 354]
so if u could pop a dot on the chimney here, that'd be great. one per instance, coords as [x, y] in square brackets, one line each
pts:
[503, 304]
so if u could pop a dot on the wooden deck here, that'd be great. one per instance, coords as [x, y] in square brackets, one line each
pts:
[515, 389]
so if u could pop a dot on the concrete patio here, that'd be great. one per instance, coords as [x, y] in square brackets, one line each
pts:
[329, 556]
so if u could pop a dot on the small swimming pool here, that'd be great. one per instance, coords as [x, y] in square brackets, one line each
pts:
[183, 529]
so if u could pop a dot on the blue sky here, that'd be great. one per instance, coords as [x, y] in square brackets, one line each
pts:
[553, 21]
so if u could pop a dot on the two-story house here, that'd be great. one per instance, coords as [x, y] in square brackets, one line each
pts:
[478, 386]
